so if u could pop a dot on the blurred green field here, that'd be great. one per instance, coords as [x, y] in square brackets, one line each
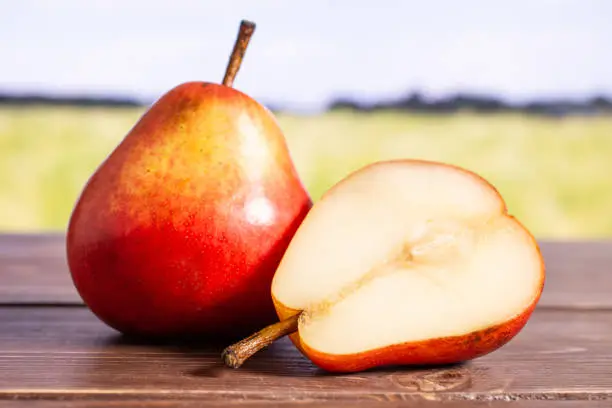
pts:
[554, 173]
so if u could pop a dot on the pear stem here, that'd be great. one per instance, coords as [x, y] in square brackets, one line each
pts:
[242, 41]
[236, 354]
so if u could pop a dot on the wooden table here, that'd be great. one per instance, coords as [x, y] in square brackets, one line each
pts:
[54, 352]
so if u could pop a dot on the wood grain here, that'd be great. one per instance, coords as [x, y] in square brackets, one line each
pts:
[33, 270]
[63, 356]
[67, 353]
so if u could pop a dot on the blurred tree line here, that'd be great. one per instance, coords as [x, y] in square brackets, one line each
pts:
[412, 102]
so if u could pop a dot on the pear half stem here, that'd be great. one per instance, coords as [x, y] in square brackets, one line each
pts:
[236, 354]
[242, 41]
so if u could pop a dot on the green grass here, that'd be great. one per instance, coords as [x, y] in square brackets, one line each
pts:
[554, 173]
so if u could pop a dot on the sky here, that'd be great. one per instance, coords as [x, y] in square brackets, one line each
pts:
[305, 53]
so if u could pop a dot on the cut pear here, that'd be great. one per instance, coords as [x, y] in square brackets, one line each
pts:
[405, 251]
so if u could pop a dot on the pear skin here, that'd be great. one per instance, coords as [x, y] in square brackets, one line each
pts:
[180, 230]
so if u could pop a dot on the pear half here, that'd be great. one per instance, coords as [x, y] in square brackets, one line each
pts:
[407, 262]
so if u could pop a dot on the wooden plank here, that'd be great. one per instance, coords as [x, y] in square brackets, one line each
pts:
[66, 352]
[33, 270]
[163, 403]
[156, 403]
[579, 274]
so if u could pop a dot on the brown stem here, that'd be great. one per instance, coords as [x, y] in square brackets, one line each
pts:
[240, 46]
[236, 354]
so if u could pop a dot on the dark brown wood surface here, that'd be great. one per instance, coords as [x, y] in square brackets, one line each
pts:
[54, 352]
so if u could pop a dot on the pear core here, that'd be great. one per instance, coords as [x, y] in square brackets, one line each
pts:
[405, 251]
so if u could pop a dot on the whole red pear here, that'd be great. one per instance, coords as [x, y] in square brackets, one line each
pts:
[181, 228]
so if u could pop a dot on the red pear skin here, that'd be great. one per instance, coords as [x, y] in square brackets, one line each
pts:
[180, 230]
